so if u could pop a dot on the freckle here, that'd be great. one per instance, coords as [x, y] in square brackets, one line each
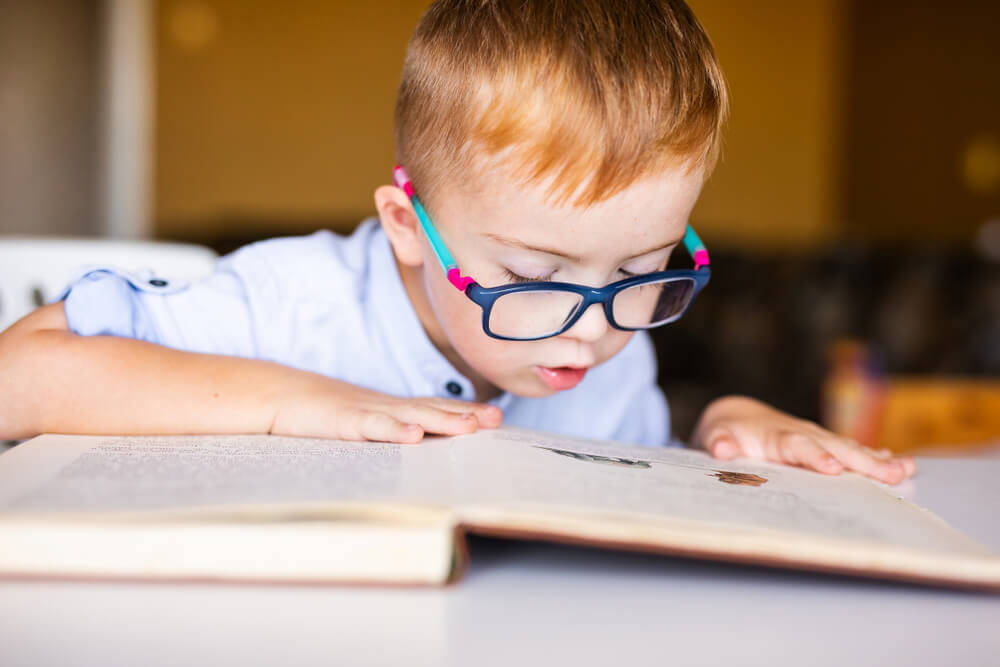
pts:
[215, 395]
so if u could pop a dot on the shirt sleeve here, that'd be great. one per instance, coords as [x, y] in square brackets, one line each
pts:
[212, 315]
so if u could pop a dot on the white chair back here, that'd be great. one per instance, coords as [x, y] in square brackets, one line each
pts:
[35, 270]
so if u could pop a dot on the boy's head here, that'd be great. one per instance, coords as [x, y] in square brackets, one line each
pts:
[587, 96]
[564, 140]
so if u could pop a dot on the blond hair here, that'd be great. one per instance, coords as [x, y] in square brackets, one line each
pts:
[588, 96]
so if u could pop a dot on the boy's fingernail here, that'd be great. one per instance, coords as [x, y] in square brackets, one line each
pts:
[830, 462]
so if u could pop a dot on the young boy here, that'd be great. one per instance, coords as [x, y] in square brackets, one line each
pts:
[553, 151]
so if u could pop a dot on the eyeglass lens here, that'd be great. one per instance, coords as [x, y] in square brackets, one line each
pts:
[534, 314]
[650, 304]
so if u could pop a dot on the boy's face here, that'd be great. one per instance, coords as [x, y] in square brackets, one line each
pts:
[503, 231]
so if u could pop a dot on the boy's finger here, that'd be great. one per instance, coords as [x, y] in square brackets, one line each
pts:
[803, 450]
[489, 416]
[909, 465]
[441, 422]
[884, 454]
[382, 427]
[722, 444]
[858, 458]
[881, 454]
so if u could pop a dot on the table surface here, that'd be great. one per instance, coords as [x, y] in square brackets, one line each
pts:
[534, 603]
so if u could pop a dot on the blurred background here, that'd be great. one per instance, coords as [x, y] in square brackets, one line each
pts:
[854, 220]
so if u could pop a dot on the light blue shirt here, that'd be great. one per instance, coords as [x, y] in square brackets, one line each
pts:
[336, 306]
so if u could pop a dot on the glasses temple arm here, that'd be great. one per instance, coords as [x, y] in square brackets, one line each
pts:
[695, 248]
[444, 258]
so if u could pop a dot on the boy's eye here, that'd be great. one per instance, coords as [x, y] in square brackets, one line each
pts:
[637, 271]
[515, 278]
[644, 268]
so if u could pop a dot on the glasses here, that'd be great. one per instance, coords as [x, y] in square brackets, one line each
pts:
[542, 309]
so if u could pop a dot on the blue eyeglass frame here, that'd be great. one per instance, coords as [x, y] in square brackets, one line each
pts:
[485, 297]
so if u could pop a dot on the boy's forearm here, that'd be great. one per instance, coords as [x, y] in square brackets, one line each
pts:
[58, 382]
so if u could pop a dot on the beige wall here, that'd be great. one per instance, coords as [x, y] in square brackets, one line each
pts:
[777, 184]
[281, 114]
[275, 112]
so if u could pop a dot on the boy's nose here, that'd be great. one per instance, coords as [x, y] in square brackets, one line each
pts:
[591, 326]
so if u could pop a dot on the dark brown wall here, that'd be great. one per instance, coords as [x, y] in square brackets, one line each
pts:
[923, 87]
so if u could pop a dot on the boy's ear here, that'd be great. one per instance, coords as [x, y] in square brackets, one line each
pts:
[400, 223]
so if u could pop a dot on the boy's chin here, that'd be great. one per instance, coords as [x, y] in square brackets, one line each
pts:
[533, 392]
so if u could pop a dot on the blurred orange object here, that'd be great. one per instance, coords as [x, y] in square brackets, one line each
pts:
[854, 392]
[905, 413]
[927, 411]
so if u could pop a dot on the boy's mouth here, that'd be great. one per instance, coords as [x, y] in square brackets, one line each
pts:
[561, 378]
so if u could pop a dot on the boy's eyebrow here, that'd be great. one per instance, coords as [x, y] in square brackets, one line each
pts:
[562, 253]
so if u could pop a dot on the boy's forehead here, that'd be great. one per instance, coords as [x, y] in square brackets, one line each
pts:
[651, 211]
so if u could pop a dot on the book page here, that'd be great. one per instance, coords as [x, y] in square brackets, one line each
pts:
[97, 474]
[522, 469]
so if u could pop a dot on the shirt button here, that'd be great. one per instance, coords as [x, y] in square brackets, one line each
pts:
[158, 282]
[454, 388]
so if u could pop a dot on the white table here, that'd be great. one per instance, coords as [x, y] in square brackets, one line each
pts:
[527, 604]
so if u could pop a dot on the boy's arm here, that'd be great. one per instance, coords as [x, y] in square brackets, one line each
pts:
[54, 381]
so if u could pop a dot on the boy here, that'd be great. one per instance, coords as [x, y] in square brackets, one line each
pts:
[559, 144]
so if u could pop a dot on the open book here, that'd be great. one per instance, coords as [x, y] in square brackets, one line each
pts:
[276, 509]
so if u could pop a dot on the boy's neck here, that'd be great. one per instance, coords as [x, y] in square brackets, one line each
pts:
[412, 282]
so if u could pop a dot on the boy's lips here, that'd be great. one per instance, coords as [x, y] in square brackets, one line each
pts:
[561, 378]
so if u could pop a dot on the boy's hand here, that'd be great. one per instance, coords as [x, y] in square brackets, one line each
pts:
[736, 426]
[326, 408]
